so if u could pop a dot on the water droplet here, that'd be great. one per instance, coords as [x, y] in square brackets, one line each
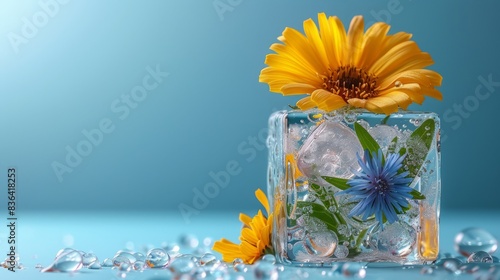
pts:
[95, 265]
[124, 267]
[157, 258]
[480, 256]
[237, 261]
[471, 240]
[341, 252]
[269, 258]
[426, 270]
[265, 270]
[88, 259]
[208, 259]
[139, 266]
[441, 261]
[452, 266]
[123, 258]
[172, 249]
[182, 264]
[199, 273]
[352, 269]
[139, 257]
[66, 261]
[469, 268]
[107, 262]
[189, 241]
[240, 267]
[398, 84]
[350, 117]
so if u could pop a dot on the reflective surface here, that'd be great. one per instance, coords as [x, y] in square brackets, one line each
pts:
[41, 236]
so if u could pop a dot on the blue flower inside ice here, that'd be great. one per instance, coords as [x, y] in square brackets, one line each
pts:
[379, 189]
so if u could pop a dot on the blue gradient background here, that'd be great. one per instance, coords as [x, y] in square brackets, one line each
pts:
[207, 111]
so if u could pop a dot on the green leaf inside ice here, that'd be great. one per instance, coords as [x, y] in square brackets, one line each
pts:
[366, 140]
[417, 195]
[418, 146]
[337, 182]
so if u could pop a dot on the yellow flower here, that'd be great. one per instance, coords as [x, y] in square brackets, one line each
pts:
[255, 236]
[371, 70]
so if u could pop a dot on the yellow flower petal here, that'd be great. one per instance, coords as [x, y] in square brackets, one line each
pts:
[297, 88]
[370, 70]
[305, 103]
[354, 41]
[246, 220]
[261, 196]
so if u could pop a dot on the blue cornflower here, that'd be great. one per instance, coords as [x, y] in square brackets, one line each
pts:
[379, 189]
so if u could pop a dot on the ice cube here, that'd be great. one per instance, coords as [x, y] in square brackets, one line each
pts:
[330, 150]
[384, 135]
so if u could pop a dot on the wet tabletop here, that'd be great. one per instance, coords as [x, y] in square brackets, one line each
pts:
[40, 236]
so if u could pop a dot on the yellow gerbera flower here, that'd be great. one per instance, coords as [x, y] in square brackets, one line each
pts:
[255, 236]
[370, 70]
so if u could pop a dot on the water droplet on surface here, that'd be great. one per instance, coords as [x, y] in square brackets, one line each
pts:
[265, 271]
[452, 266]
[269, 258]
[139, 257]
[341, 252]
[199, 273]
[323, 243]
[352, 269]
[471, 240]
[88, 259]
[172, 249]
[157, 258]
[397, 238]
[67, 261]
[398, 84]
[95, 265]
[139, 266]
[426, 270]
[237, 261]
[107, 262]
[240, 267]
[124, 267]
[182, 264]
[480, 257]
[208, 259]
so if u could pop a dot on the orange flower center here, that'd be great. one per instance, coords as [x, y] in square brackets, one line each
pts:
[351, 82]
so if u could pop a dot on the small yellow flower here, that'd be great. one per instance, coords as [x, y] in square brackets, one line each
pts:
[255, 236]
[370, 70]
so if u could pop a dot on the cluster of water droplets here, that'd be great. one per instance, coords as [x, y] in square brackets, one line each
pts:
[475, 246]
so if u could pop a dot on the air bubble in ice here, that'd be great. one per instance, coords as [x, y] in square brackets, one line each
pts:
[398, 238]
[341, 252]
[323, 243]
